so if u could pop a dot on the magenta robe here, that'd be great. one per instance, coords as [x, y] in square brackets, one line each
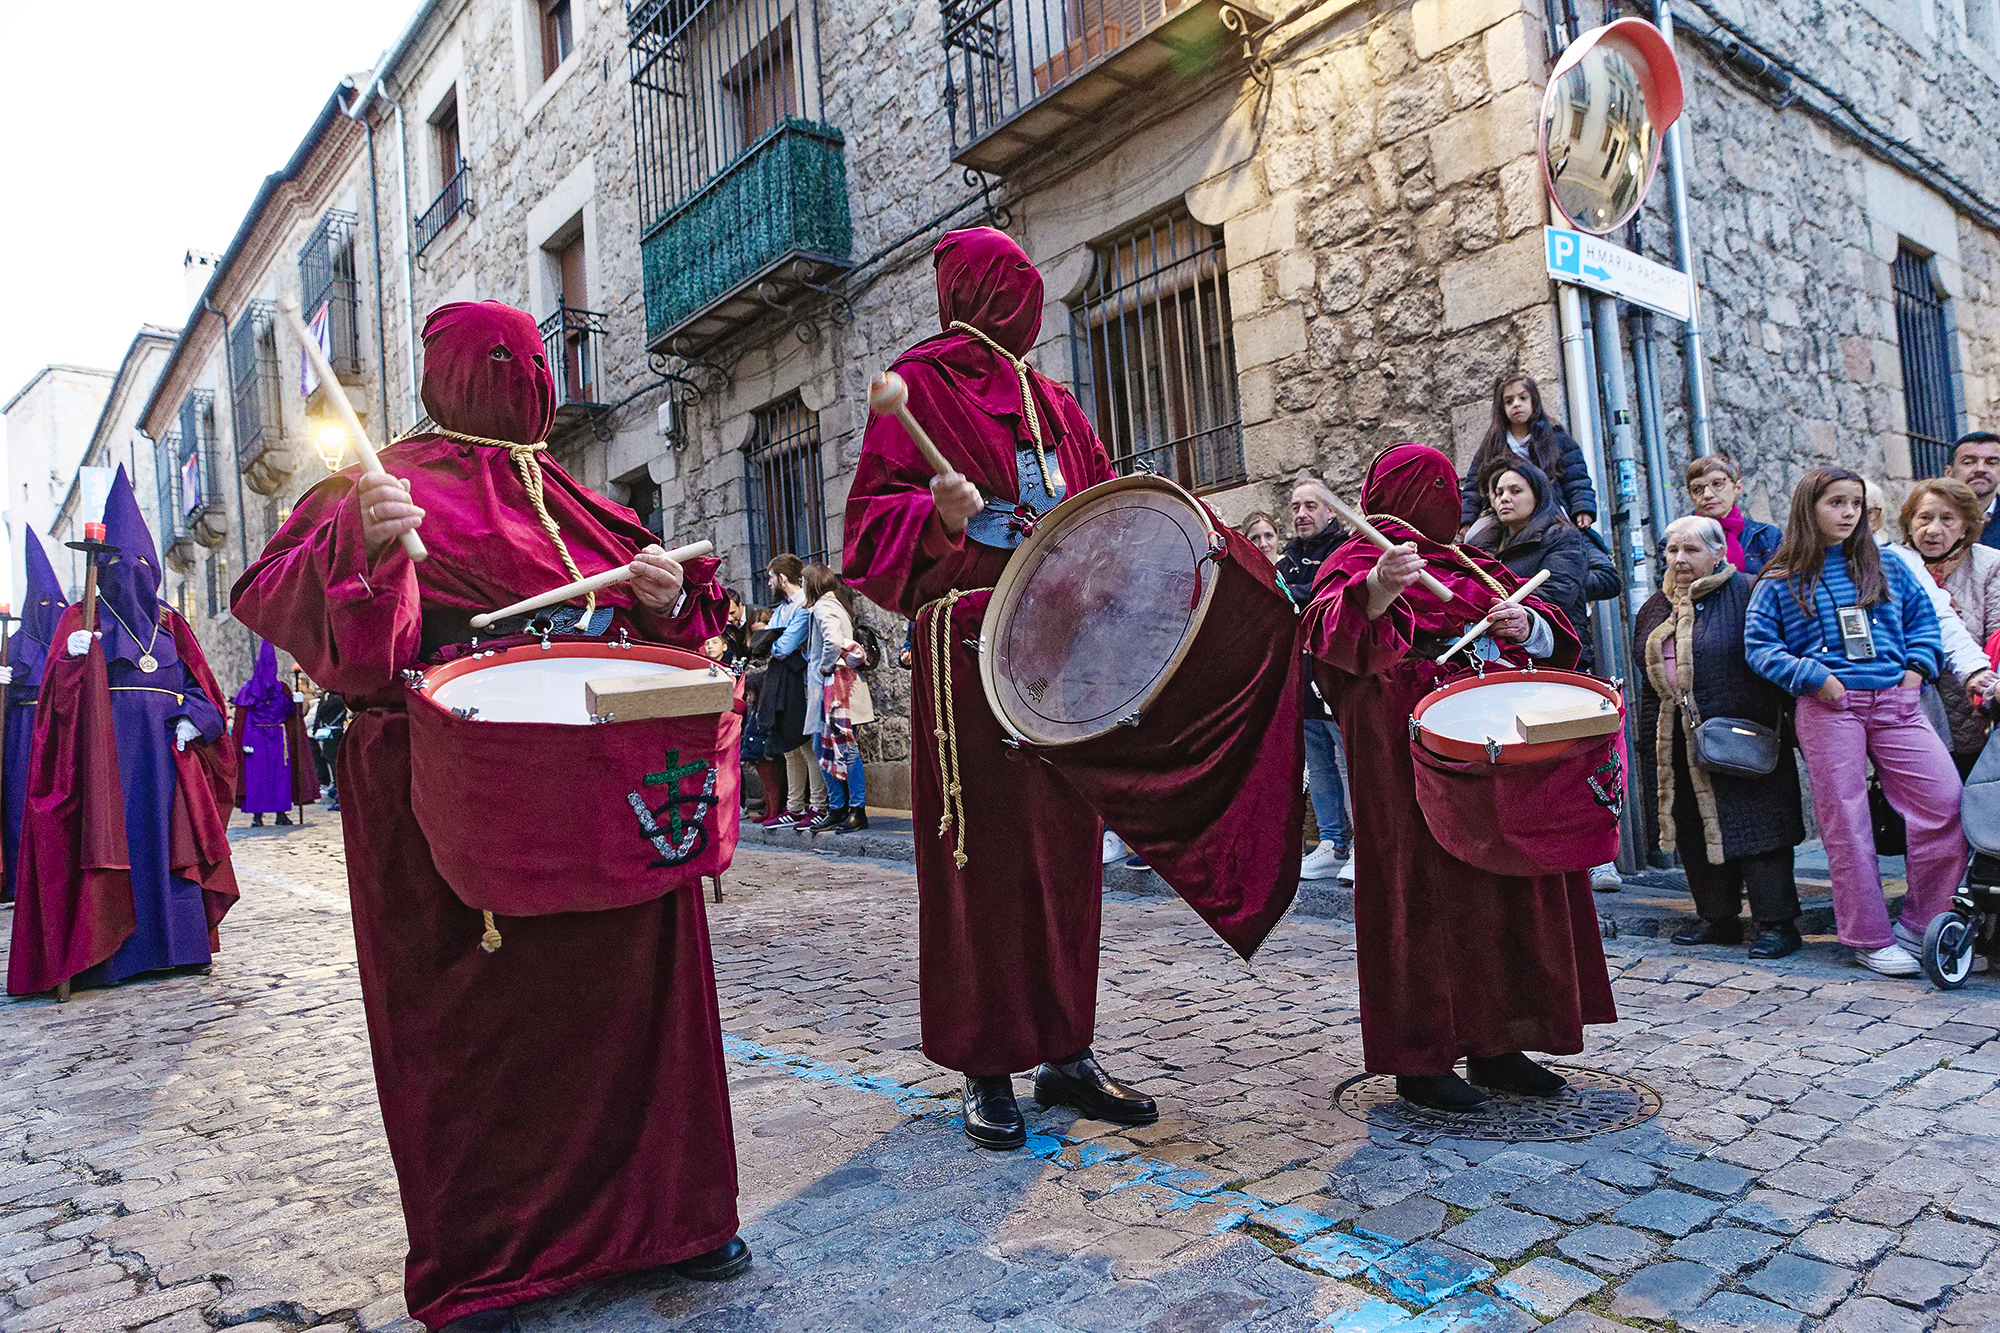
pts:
[1454, 960]
[558, 1110]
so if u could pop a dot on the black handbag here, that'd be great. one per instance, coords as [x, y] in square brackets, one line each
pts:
[1733, 746]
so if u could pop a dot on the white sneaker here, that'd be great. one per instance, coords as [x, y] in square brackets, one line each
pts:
[1320, 862]
[1605, 879]
[1891, 960]
[1114, 847]
[1346, 875]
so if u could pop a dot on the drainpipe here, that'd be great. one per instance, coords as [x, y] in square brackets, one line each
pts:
[1691, 342]
[242, 507]
[1624, 455]
[375, 235]
[409, 268]
[1646, 371]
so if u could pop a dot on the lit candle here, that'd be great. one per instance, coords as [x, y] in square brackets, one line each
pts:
[93, 532]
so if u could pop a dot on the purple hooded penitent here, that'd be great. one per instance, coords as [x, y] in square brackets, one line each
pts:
[27, 651]
[264, 709]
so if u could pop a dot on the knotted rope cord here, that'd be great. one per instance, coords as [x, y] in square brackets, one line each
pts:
[1457, 549]
[945, 721]
[489, 941]
[1025, 376]
[527, 461]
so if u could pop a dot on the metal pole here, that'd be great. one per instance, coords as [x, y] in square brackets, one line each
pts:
[1647, 374]
[1694, 364]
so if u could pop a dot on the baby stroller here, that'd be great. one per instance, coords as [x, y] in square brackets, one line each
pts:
[1956, 936]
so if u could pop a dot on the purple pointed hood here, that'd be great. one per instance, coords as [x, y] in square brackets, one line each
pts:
[41, 607]
[263, 685]
[128, 583]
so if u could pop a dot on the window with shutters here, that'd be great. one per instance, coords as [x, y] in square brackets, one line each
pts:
[329, 291]
[1923, 338]
[787, 508]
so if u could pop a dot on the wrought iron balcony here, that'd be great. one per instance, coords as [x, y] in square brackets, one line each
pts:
[771, 228]
[1024, 76]
[573, 341]
[256, 403]
[453, 199]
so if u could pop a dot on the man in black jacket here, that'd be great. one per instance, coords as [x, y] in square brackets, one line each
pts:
[1319, 532]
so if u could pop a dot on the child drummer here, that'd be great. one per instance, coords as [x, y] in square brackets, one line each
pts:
[503, 1076]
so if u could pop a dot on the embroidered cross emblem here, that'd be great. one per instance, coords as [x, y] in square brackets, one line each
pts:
[680, 841]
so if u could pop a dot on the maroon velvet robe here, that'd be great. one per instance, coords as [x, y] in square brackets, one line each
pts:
[1454, 960]
[558, 1110]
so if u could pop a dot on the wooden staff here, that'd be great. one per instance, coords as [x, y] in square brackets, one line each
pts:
[1374, 534]
[370, 461]
[582, 586]
[889, 396]
[1514, 598]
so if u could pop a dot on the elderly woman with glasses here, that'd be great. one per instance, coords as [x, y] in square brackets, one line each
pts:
[1735, 835]
[1941, 520]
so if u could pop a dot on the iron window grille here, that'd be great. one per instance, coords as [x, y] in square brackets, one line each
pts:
[1923, 336]
[218, 585]
[199, 470]
[711, 81]
[327, 280]
[256, 408]
[167, 487]
[573, 341]
[453, 199]
[1155, 365]
[1003, 55]
[787, 508]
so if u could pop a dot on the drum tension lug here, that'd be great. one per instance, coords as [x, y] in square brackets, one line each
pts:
[413, 678]
[1415, 730]
[624, 640]
[970, 645]
[467, 713]
[1129, 720]
[475, 643]
[1492, 750]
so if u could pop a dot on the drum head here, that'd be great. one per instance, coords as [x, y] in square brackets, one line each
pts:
[1457, 720]
[534, 684]
[1095, 610]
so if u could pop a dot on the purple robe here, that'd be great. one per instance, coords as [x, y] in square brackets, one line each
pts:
[263, 729]
[27, 651]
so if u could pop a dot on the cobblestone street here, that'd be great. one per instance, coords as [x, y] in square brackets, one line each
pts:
[200, 1152]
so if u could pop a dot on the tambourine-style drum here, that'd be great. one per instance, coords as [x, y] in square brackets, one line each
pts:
[1478, 717]
[534, 806]
[1099, 608]
[1497, 799]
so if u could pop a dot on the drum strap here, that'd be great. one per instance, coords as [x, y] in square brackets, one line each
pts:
[945, 724]
[1026, 377]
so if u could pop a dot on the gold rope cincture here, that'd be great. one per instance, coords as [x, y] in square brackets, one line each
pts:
[1456, 549]
[945, 721]
[491, 939]
[1025, 376]
[528, 462]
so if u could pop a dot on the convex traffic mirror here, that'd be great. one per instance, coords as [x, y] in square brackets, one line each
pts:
[1605, 115]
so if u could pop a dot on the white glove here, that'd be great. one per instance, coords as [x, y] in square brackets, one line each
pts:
[79, 642]
[185, 731]
[249, 749]
[298, 696]
[6, 675]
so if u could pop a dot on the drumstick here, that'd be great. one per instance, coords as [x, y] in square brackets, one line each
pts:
[370, 462]
[582, 586]
[1514, 598]
[888, 396]
[1373, 534]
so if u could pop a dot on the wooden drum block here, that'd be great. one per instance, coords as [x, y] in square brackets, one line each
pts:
[673, 694]
[1567, 724]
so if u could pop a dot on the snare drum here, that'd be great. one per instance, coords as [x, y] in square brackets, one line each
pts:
[533, 807]
[1478, 717]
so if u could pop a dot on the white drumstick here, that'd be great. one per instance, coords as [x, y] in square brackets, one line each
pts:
[582, 586]
[889, 396]
[1373, 534]
[1514, 598]
[335, 394]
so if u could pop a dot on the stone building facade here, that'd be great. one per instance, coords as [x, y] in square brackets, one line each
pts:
[114, 442]
[49, 422]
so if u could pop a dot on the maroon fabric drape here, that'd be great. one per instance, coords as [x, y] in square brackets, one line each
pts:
[73, 900]
[558, 1110]
[204, 794]
[1454, 960]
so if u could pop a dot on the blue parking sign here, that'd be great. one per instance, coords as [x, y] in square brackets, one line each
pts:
[1565, 252]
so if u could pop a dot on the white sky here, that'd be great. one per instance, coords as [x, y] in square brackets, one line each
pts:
[135, 129]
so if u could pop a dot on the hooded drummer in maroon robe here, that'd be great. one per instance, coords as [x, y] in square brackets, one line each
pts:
[1455, 961]
[1008, 942]
[557, 1110]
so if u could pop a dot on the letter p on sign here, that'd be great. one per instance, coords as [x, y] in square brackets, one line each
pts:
[1565, 252]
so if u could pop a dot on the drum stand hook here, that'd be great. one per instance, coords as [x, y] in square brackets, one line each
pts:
[1492, 750]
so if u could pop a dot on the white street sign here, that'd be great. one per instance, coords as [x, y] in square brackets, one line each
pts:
[1592, 261]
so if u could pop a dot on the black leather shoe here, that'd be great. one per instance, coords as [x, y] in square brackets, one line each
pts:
[1776, 940]
[485, 1321]
[1439, 1092]
[856, 821]
[1514, 1072]
[1711, 932]
[992, 1116]
[284, 819]
[1079, 1082]
[725, 1261]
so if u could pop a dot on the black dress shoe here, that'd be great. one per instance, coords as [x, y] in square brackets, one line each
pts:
[856, 821]
[992, 1116]
[1078, 1082]
[1776, 940]
[256, 821]
[1439, 1092]
[720, 1264]
[485, 1321]
[284, 819]
[1711, 932]
[1514, 1072]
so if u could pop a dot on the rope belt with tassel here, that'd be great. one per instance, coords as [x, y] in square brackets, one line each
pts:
[945, 721]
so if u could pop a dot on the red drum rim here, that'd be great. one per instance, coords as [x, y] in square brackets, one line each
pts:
[1027, 558]
[1515, 752]
[433, 677]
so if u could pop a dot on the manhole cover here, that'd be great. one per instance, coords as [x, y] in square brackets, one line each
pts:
[1593, 1103]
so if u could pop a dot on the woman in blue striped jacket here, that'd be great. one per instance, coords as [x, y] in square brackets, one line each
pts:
[1854, 639]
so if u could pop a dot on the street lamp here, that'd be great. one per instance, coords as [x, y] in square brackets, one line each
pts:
[331, 442]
